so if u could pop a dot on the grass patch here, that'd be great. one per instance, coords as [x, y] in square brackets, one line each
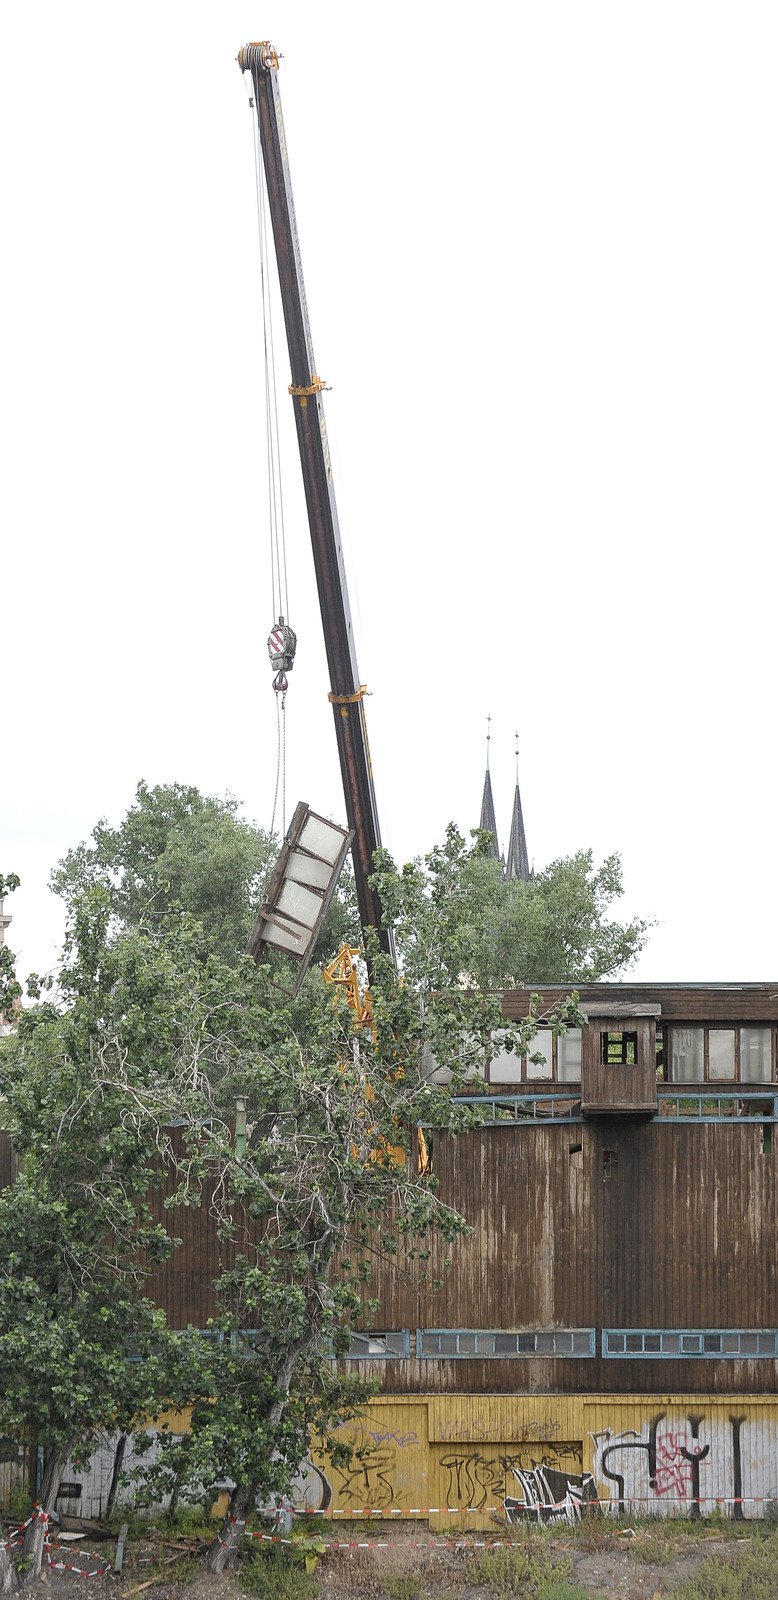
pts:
[271, 1576]
[525, 1572]
[404, 1586]
[746, 1574]
[652, 1551]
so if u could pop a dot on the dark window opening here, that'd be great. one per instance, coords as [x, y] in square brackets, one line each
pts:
[610, 1165]
[767, 1138]
[660, 1052]
[619, 1049]
[575, 1149]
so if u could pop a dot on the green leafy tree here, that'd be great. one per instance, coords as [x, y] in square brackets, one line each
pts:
[179, 850]
[88, 1085]
[10, 989]
[455, 916]
[325, 1184]
[158, 1016]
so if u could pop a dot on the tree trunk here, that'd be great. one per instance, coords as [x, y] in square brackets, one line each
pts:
[9, 1578]
[223, 1553]
[47, 1499]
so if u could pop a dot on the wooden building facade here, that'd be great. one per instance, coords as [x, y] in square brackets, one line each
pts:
[608, 1330]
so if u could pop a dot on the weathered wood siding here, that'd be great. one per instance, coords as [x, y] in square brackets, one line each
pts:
[611, 1087]
[696, 1002]
[680, 1234]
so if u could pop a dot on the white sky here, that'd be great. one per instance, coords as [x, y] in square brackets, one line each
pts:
[541, 255]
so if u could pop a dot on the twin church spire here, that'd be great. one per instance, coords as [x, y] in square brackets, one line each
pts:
[517, 864]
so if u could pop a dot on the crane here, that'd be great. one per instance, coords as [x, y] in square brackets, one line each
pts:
[347, 692]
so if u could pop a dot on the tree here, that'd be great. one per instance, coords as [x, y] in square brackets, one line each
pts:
[454, 915]
[88, 1086]
[326, 1183]
[159, 1016]
[177, 849]
[10, 989]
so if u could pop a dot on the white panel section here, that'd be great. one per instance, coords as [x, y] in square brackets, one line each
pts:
[299, 902]
[323, 838]
[305, 870]
[296, 940]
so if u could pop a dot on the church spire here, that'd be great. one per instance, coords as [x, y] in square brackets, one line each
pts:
[488, 820]
[518, 858]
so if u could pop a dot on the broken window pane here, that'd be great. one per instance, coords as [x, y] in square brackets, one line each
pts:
[543, 1046]
[618, 1048]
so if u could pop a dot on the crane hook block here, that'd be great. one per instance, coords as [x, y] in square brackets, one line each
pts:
[281, 647]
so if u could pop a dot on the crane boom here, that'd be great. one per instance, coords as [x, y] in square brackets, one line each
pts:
[346, 690]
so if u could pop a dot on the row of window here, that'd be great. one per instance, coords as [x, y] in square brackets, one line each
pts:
[687, 1055]
[628, 1343]
[617, 1343]
[715, 1055]
[493, 1342]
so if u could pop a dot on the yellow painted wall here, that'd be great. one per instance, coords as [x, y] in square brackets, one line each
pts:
[646, 1455]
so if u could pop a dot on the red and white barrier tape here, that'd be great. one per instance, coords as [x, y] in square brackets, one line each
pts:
[612, 1502]
[395, 1544]
[58, 1566]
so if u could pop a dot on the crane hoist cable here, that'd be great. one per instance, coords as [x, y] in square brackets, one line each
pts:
[282, 640]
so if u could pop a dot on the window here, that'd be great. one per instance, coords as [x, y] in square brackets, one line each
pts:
[610, 1166]
[619, 1049]
[721, 1055]
[689, 1343]
[560, 1059]
[375, 1346]
[491, 1342]
[755, 1055]
[687, 1055]
[721, 1052]
[568, 1056]
[542, 1048]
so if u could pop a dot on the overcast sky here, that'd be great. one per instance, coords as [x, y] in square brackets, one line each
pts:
[540, 245]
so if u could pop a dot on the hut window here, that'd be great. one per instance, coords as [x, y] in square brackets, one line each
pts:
[568, 1056]
[542, 1047]
[619, 1049]
[610, 1165]
[755, 1055]
[721, 1052]
[721, 1055]
[558, 1059]
[687, 1055]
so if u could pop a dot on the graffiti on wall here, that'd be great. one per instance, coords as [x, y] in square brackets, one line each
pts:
[548, 1495]
[691, 1463]
[477, 1431]
[537, 1482]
